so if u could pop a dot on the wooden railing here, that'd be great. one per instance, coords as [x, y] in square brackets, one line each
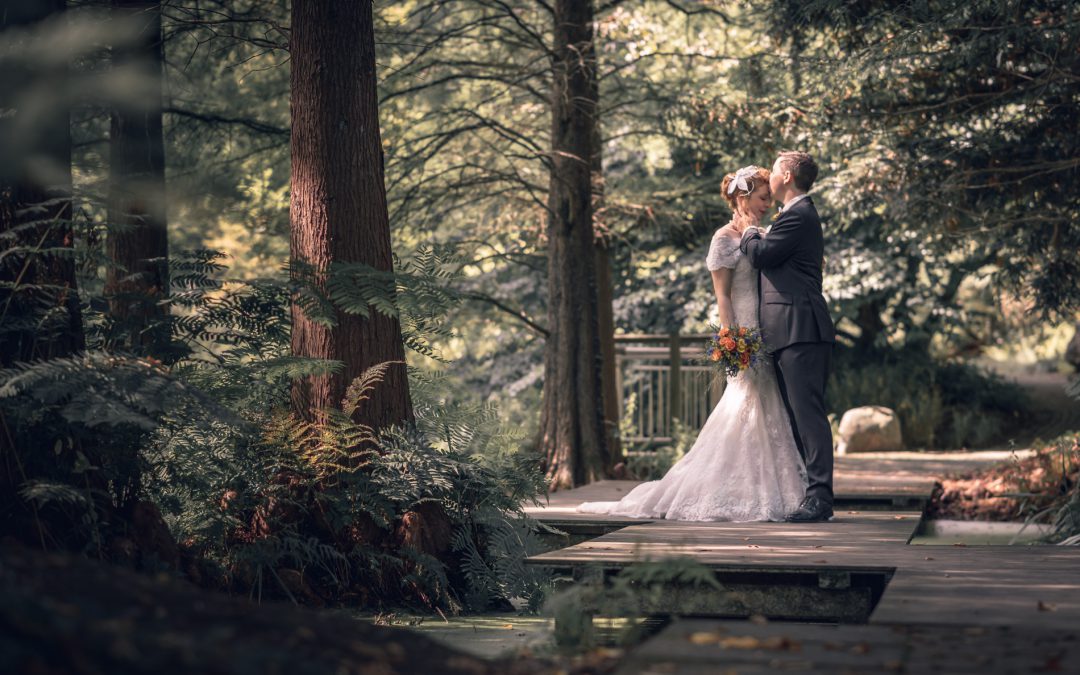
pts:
[660, 378]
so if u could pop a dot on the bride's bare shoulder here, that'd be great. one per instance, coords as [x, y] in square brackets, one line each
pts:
[729, 232]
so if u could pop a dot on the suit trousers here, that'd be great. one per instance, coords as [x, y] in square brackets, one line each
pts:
[801, 371]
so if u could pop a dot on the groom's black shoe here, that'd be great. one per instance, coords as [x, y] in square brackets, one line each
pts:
[812, 510]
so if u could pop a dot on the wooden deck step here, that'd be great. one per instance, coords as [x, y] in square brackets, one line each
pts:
[706, 646]
[858, 539]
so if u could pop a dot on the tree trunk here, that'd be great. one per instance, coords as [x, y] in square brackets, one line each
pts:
[138, 239]
[338, 203]
[606, 325]
[572, 434]
[605, 296]
[39, 305]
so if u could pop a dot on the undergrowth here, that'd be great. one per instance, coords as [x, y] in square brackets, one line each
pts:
[107, 447]
[939, 404]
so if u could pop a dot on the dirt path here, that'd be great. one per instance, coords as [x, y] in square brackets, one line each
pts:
[1056, 413]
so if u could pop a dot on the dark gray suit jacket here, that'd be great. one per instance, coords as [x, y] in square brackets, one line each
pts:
[792, 308]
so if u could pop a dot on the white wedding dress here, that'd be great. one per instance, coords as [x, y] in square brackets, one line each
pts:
[744, 465]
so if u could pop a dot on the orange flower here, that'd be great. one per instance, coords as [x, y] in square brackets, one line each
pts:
[727, 343]
[742, 331]
[715, 356]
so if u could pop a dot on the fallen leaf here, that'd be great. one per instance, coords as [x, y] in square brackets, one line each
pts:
[1046, 606]
[861, 648]
[508, 626]
[740, 642]
[899, 517]
[1052, 665]
[752, 546]
[927, 558]
[704, 638]
[758, 619]
[817, 562]
[775, 643]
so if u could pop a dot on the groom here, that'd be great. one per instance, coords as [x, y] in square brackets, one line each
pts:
[795, 322]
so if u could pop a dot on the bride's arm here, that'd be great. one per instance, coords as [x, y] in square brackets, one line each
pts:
[721, 283]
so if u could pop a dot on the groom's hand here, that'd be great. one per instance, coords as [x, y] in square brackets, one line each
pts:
[749, 234]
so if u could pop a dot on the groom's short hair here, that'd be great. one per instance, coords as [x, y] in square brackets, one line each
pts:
[802, 166]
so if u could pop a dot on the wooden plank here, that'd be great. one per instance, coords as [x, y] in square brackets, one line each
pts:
[659, 339]
[987, 586]
[717, 646]
[705, 646]
[859, 542]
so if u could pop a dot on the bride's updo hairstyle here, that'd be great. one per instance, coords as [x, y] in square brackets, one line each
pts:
[754, 176]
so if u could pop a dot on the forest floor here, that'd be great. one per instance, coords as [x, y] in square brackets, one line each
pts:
[1018, 488]
[64, 614]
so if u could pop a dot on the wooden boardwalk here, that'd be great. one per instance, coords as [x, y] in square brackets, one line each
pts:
[956, 588]
[904, 477]
[709, 647]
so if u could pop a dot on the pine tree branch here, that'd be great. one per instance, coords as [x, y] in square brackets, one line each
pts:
[517, 314]
[212, 118]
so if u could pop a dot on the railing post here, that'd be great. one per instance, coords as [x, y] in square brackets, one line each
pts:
[674, 378]
[716, 388]
[619, 395]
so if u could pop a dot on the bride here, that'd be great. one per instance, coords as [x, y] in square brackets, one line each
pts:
[744, 465]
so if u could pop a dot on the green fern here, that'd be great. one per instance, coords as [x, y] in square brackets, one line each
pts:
[205, 434]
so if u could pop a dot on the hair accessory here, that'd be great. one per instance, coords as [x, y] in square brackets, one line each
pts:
[740, 179]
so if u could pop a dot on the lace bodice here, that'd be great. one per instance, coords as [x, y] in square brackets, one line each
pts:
[724, 252]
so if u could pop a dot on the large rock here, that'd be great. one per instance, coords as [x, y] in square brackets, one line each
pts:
[871, 428]
[1072, 351]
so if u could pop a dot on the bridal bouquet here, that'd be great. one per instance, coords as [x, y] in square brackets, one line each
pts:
[733, 349]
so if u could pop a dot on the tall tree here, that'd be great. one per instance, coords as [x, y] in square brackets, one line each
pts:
[605, 298]
[138, 238]
[572, 433]
[338, 214]
[39, 305]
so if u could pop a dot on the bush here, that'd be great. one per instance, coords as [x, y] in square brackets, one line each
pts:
[111, 448]
[939, 404]
[652, 463]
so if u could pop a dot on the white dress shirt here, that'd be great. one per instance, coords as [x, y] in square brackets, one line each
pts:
[792, 202]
